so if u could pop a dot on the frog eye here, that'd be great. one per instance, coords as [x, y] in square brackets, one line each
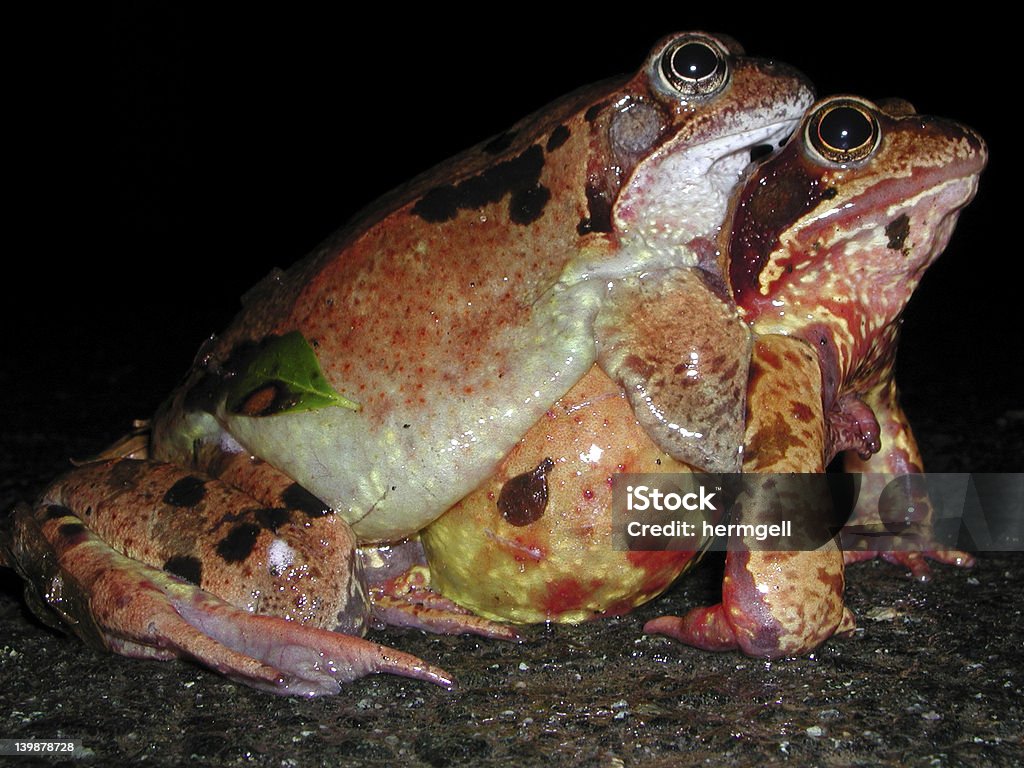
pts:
[695, 65]
[843, 131]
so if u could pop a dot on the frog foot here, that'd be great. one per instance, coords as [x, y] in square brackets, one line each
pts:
[774, 604]
[916, 561]
[852, 426]
[120, 604]
[409, 601]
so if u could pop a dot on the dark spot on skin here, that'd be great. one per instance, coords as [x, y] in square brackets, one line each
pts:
[297, 497]
[557, 138]
[897, 231]
[517, 176]
[828, 193]
[238, 544]
[600, 209]
[526, 206]
[55, 511]
[72, 530]
[591, 114]
[272, 518]
[524, 498]
[499, 144]
[802, 412]
[186, 567]
[187, 492]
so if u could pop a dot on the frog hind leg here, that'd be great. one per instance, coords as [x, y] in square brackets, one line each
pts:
[398, 581]
[114, 600]
[893, 516]
[775, 603]
[680, 352]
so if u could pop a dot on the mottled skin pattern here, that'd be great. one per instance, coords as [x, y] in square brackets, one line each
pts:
[824, 254]
[821, 274]
[454, 312]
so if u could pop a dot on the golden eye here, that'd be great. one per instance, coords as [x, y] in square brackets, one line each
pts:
[843, 130]
[695, 65]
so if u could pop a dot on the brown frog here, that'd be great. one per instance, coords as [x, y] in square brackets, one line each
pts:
[363, 392]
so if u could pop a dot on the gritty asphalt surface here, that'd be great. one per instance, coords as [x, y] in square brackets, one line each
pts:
[206, 169]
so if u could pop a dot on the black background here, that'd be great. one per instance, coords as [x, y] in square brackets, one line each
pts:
[185, 152]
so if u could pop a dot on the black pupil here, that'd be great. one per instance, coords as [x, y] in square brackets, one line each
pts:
[845, 128]
[694, 61]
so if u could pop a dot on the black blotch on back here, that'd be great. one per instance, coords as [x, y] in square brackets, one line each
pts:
[239, 542]
[272, 518]
[187, 492]
[527, 205]
[187, 567]
[557, 138]
[519, 176]
[297, 497]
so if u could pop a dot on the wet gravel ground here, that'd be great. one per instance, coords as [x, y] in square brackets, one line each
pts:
[933, 675]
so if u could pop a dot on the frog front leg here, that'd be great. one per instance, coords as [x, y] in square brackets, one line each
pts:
[283, 578]
[774, 603]
[893, 516]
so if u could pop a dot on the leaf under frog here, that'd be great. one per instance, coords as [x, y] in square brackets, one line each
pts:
[281, 374]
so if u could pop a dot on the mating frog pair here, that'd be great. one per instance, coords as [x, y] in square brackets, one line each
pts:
[606, 287]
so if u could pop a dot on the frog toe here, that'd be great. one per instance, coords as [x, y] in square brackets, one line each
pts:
[409, 601]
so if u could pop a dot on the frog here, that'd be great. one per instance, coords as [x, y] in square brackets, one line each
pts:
[823, 246]
[827, 242]
[266, 516]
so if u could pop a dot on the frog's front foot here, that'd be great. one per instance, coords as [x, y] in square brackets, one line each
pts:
[893, 521]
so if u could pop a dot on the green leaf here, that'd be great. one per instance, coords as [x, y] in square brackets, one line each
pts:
[281, 374]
